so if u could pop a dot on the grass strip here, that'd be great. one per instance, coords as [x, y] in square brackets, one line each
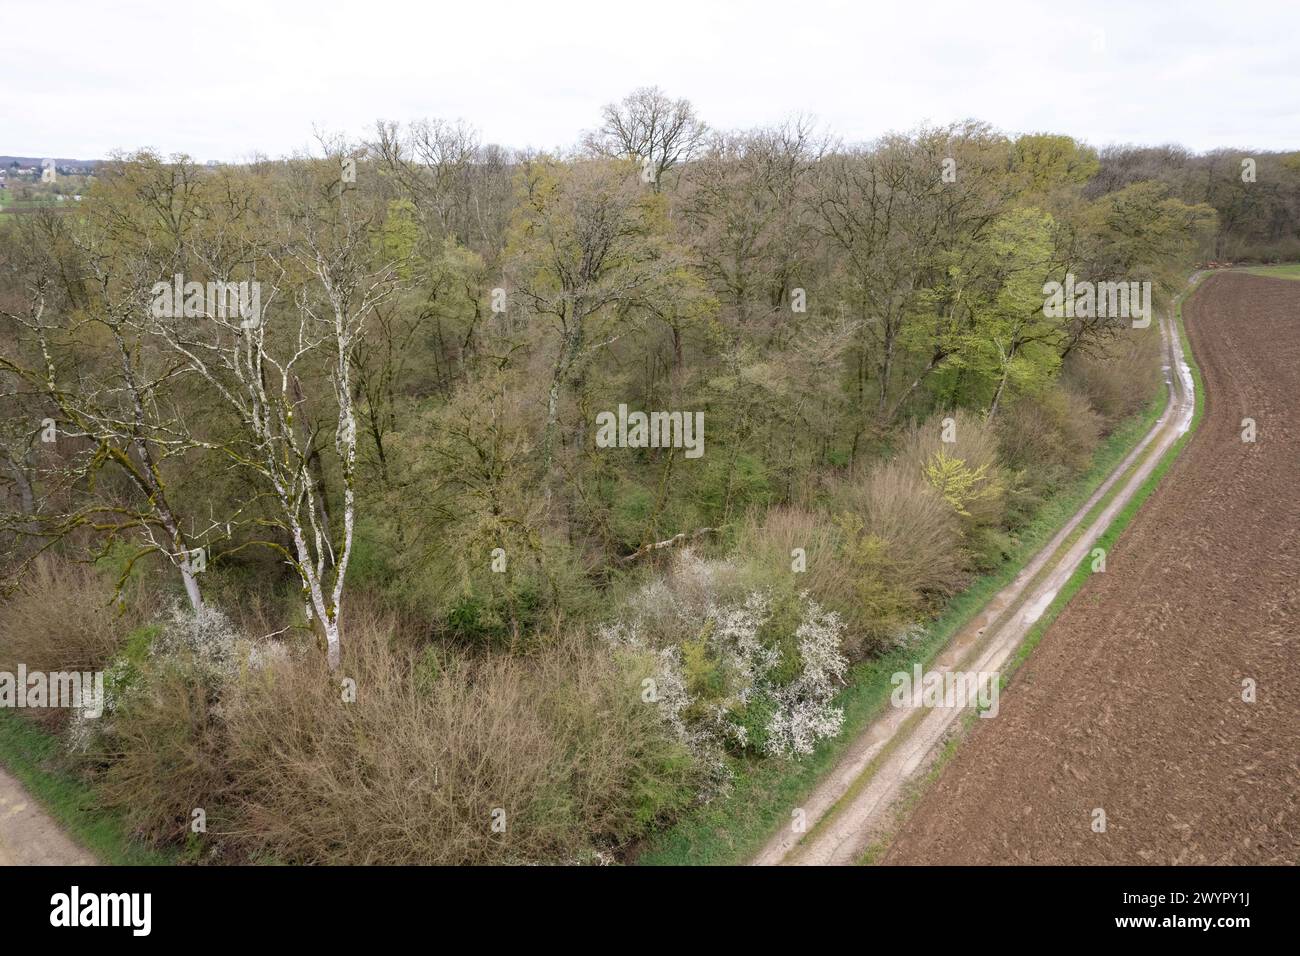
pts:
[37, 759]
[1287, 271]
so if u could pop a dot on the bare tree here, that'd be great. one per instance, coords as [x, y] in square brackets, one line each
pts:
[321, 260]
[431, 162]
[652, 128]
[112, 410]
[586, 245]
[745, 202]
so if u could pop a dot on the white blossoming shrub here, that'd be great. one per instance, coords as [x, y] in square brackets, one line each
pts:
[206, 637]
[206, 645]
[733, 672]
[804, 714]
[161, 746]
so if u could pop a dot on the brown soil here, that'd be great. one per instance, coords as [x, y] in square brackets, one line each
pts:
[1133, 701]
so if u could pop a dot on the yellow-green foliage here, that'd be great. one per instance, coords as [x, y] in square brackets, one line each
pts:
[888, 603]
[960, 484]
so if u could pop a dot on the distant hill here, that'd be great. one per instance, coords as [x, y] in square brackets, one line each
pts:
[59, 161]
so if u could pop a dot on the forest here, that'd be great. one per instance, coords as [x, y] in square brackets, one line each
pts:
[331, 463]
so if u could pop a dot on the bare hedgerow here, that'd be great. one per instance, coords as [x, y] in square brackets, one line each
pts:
[772, 544]
[161, 751]
[974, 445]
[1050, 435]
[919, 528]
[401, 757]
[435, 742]
[64, 616]
[898, 553]
[1119, 375]
[161, 743]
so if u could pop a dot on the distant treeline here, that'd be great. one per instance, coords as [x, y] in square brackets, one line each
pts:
[1255, 194]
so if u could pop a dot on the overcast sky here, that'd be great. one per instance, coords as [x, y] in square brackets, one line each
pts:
[221, 79]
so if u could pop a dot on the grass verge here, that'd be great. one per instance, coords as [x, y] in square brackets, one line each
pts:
[37, 760]
[1289, 270]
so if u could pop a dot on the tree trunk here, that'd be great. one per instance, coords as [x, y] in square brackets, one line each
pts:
[180, 546]
[997, 396]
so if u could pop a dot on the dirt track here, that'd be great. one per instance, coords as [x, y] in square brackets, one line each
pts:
[1132, 702]
[28, 836]
[855, 806]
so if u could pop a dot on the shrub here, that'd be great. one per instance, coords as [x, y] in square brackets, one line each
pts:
[66, 616]
[765, 550]
[729, 483]
[475, 606]
[161, 743]
[434, 743]
[731, 664]
[962, 486]
[63, 616]
[163, 752]
[803, 713]
[902, 542]
[1120, 376]
[975, 447]
[886, 603]
[889, 546]
[1049, 437]
[630, 507]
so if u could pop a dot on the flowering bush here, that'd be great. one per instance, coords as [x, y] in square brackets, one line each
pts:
[727, 676]
[204, 647]
[805, 714]
[207, 637]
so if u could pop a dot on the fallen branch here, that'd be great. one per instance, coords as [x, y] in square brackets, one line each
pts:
[668, 543]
